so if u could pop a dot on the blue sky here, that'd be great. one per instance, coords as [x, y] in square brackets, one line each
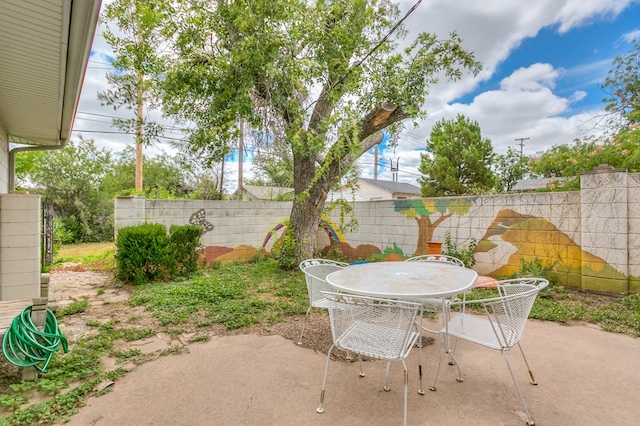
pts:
[544, 62]
[585, 53]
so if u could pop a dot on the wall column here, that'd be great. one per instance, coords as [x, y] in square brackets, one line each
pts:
[605, 229]
[19, 246]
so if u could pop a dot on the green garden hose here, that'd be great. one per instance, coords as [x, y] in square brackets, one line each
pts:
[24, 345]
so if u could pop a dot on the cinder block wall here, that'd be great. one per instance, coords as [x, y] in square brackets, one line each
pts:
[19, 246]
[633, 240]
[590, 237]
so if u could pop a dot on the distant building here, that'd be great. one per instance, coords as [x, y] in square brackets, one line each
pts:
[375, 189]
[533, 184]
[264, 193]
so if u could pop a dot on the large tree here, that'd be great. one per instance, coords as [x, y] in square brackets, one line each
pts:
[72, 179]
[623, 86]
[330, 73]
[143, 30]
[457, 159]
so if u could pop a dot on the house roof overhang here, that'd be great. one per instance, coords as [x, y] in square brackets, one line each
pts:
[44, 50]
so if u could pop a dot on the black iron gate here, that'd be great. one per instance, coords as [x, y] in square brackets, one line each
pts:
[47, 232]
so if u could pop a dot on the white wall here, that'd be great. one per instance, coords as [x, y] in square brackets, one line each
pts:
[19, 246]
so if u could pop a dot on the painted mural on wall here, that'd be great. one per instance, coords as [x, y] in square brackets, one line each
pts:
[515, 237]
[218, 253]
[422, 211]
[510, 239]
[590, 237]
[334, 239]
[199, 218]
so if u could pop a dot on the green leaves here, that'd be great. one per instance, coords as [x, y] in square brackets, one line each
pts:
[623, 86]
[457, 160]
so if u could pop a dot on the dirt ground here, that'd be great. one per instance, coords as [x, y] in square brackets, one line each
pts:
[108, 303]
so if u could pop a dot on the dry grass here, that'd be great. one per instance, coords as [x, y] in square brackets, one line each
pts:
[79, 251]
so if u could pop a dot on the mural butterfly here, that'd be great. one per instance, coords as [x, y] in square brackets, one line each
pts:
[199, 219]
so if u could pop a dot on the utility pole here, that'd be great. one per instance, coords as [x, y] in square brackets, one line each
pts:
[521, 140]
[394, 171]
[139, 126]
[240, 155]
[375, 164]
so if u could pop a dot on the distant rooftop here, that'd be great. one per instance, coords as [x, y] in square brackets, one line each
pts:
[405, 188]
[266, 192]
[533, 184]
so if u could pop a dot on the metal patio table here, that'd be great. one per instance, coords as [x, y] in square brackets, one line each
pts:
[404, 280]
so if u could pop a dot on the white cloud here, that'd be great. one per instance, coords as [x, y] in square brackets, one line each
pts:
[525, 104]
[631, 36]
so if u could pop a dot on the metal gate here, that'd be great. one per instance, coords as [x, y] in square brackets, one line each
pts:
[47, 232]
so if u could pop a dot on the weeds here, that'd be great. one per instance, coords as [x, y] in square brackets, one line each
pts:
[463, 253]
[236, 296]
[76, 307]
[564, 304]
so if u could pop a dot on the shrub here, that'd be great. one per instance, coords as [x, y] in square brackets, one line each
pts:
[285, 249]
[184, 242]
[146, 253]
[142, 253]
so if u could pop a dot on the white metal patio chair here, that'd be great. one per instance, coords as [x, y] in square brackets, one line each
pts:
[377, 328]
[437, 306]
[501, 328]
[315, 271]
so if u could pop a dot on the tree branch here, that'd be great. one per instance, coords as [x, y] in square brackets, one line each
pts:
[379, 118]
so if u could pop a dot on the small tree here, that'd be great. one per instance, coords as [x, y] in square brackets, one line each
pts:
[143, 27]
[72, 178]
[510, 168]
[457, 160]
[569, 160]
[623, 86]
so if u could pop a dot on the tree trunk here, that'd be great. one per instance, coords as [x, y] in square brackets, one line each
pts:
[305, 219]
[425, 231]
[311, 190]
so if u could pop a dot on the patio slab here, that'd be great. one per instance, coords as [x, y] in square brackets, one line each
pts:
[586, 376]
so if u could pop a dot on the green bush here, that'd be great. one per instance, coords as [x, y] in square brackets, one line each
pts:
[146, 253]
[142, 252]
[184, 242]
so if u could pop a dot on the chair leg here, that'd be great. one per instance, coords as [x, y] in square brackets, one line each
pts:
[360, 362]
[435, 378]
[304, 324]
[452, 357]
[454, 361]
[530, 420]
[386, 378]
[406, 390]
[320, 408]
[420, 389]
[533, 379]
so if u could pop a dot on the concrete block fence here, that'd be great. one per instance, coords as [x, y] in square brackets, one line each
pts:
[591, 237]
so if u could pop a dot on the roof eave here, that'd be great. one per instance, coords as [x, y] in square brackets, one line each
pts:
[82, 28]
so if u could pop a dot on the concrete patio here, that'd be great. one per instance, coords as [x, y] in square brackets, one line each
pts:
[586, 376]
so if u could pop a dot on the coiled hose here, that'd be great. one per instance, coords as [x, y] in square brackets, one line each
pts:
[24, 345]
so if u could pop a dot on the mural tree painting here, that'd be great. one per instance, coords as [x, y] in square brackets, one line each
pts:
[423, 210]
[332, 75]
